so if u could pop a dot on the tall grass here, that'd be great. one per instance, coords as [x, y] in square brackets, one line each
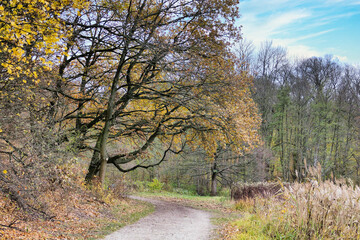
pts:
[318, 210]
[312, 210]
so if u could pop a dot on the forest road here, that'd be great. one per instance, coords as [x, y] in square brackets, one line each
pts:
[169, 221]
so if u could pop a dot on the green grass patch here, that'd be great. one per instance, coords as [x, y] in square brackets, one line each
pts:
[251, 226]
[174, 195]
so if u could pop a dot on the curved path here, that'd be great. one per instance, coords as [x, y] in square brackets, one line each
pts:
[169, 221]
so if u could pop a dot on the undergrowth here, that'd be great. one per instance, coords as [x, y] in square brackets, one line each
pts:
[77, 211]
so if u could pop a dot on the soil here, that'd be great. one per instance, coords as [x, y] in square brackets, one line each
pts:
[169, 221]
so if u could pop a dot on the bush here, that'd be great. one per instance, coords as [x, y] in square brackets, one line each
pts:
[246, 191]
[155, 185]
[139, 186]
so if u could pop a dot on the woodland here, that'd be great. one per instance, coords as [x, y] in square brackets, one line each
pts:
[93, 93]
[310, 117]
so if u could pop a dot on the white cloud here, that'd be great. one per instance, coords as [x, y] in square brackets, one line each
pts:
[302, 51]
[300, 26]
[341, 58]
[346, 2]
[259, 29]
[278, 22]
[290, 41]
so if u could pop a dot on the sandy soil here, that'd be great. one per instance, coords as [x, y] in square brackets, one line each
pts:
[169, 221]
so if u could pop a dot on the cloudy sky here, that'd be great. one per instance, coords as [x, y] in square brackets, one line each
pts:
[305, 27]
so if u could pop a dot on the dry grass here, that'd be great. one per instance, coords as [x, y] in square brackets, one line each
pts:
[312, 210]
[318, 210]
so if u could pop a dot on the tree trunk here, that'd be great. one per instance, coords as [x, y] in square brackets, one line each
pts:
[99, 159]
[214, 173]
[95, 163]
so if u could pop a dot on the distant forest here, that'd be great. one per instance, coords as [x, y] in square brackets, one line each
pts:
[310, 111]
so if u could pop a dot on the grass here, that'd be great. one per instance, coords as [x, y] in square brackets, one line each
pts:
[250, 226]
[320, 210]
[192, 198]
[120, 214]
[312, 210]
[121, 217]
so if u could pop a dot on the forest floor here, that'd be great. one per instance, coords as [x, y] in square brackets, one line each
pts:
[80, 217]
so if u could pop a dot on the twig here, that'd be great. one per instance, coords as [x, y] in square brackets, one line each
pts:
[10, 226]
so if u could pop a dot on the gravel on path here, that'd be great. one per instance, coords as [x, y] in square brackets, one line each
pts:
[169, 221]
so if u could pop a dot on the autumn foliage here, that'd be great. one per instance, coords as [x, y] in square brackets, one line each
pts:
[77, 76]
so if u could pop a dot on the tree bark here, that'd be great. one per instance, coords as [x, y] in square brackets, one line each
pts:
[214, 173]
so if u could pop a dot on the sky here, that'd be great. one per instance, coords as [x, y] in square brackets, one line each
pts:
[305, 28]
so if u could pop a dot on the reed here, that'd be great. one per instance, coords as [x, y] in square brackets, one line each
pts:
[318, 210]
[315, 209]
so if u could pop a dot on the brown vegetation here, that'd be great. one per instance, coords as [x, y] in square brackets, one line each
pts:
[248, 191]
[63, 208]
[312, 210]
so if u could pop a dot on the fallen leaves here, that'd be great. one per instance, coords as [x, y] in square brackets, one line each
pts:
[78, 216]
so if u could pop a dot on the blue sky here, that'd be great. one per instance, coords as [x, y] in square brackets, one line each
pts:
[305, 27]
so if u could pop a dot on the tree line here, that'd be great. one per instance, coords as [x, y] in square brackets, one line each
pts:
[310, 112]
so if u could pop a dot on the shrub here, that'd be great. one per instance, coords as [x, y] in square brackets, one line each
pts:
[155, 185]
[246, 191]
[138, 186]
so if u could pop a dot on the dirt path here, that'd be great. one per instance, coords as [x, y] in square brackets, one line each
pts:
[170, 221]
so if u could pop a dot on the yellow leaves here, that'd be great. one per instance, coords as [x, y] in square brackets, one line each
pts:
[18, 52]
[5, 171]
[51, 39]
[26, 22]
[5, 65]
[12, 23]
